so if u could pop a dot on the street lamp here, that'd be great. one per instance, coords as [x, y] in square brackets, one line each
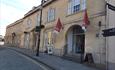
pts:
[38, 30]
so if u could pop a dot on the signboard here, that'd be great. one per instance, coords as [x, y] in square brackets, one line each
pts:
[109, 32]
[38, 28]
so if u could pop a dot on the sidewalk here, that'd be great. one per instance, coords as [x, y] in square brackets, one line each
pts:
[54, 61]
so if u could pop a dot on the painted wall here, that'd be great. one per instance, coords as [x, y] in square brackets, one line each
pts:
[96, 10]
[16, 28]
[111, 40]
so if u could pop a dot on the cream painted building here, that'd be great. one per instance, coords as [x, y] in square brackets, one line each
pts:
[72, 40]
[68, 40]
[31, 20]
[110, 43]
[13, 33]
[22, 32]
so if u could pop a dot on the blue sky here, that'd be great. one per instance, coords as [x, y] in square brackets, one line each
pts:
[12, 10]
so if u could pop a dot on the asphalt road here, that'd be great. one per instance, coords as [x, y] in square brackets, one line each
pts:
[11, 60]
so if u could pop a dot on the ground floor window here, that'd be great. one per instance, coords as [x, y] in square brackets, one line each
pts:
[48, 39]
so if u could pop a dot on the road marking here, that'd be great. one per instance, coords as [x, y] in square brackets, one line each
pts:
[34, 61]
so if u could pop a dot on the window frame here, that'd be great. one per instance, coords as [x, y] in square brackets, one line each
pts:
[51, 15]
[38, 20]
[29, 23]
[73, 7]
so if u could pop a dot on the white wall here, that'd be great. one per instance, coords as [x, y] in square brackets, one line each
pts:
[111, 40]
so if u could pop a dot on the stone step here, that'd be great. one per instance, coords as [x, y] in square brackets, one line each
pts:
[75, 58]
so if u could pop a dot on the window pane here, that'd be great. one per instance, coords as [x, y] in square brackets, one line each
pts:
[83, 4]
[73, 6]
[38, 20]
[51, 15]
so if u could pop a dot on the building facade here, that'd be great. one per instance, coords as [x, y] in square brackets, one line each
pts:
[68, 40]
[31, 20]
[13, 33]
[72, 39]
[110, 44]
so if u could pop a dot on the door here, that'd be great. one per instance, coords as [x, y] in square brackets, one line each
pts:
[26, 45]
[78, 43]
[75, 40]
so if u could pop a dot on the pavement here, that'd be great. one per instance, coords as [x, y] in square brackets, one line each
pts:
[55, 62]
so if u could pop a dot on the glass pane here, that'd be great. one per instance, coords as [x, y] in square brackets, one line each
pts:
[83, 4]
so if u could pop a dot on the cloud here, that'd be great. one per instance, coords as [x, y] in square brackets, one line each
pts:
[10, 13]
[12, 10]
[29, 4]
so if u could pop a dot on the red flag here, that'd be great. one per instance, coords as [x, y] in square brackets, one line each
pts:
[58, 26]
[85, 19]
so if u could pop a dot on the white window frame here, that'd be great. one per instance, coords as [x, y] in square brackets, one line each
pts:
[51, 15]
[38, 20]
[75, 6]
[29, 23]
[83, 4]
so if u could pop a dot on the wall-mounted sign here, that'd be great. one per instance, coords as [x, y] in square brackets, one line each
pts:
[109, 32]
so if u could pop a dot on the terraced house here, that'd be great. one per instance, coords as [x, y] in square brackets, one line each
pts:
[71, 29]
[72, 39]
[31, 20]
[14, 33]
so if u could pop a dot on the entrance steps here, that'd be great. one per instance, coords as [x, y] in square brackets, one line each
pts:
[73, 57]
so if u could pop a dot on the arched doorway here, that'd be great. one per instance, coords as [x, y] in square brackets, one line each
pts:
[75, 40]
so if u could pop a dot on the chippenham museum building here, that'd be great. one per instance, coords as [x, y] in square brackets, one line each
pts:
[70, 28]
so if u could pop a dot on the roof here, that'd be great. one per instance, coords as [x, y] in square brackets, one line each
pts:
[35, 9]
[16, 22]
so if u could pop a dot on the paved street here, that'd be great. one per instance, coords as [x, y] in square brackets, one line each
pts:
[55, 62]
[11, 60]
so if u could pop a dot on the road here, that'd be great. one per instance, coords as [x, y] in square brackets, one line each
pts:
[12, 60]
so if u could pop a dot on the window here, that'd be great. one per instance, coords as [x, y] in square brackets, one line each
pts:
[83, 4]
[51, 15]
[38, 20]
[29, 23]
[48, 38]
[75, 6]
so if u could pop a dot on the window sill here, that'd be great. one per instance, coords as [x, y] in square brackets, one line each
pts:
[74, 13]
[50, 21]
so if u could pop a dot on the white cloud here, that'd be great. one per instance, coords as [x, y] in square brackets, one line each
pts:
[10, 13]
[29, 4]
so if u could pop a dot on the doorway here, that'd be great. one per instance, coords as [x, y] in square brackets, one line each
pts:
[75, 41]
[26, 40]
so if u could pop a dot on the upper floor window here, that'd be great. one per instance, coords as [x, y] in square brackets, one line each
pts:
[38, 20]
[29, 23]
[75, 6]
[51, 15]
[83, 4]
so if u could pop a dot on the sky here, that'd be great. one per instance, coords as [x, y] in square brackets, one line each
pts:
[12, 10]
